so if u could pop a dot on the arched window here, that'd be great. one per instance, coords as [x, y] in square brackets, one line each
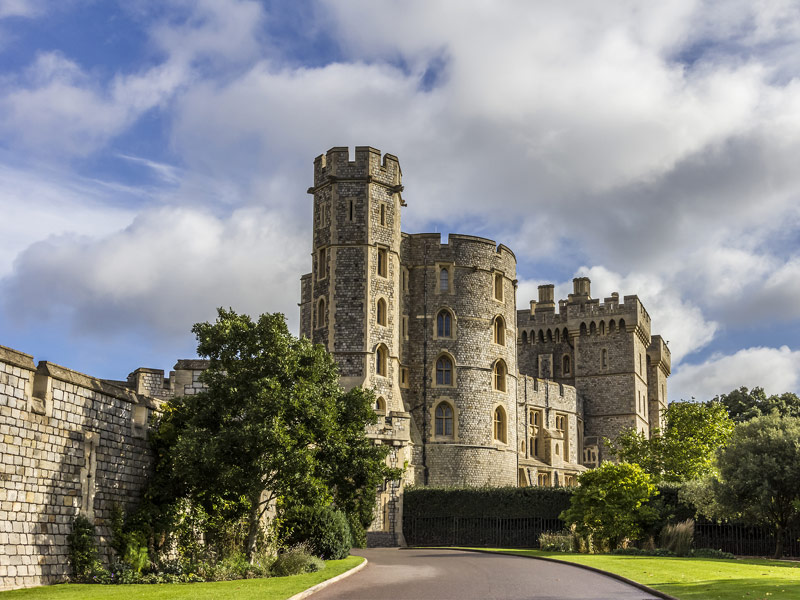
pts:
[498, 287]
[321, 314]
[381, 360]
[592, 328]
[602, 328]
[444, 371]
[499, 331]
[500, 376]
[541, 336]
[583, 328]
[565, 335]
[612, 326]
[380, 404]
[444, 419]
[381, 312]
[557, 336]
[622, 325]
[524, 337]
[566, 367]
[604, 358]
[444, 280]
[549, 335]
[444, 324]
[500, 425]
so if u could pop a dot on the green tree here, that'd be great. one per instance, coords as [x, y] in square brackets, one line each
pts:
[611, 503]
[687, 447]
[743, 404]
[760, 473]
[271, 423]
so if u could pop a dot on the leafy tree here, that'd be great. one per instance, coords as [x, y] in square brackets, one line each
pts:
[760, 473]
[743, 404]
[272, 423]
[611, 503]
[686, 448]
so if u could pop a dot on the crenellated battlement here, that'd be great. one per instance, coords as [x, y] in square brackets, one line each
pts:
[462, 249]
[580, 308]
[368, 166]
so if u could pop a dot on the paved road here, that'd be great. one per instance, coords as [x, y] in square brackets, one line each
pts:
[394, 574]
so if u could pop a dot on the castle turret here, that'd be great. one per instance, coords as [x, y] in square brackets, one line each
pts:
[355, 281]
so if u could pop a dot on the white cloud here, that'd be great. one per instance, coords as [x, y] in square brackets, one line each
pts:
[60, 108]
[777, 370]
[38, 203]
[169, 269]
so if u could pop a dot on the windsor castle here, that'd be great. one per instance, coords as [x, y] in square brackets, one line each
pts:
[470, 390]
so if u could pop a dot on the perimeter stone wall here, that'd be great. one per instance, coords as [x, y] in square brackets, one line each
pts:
[69, 444]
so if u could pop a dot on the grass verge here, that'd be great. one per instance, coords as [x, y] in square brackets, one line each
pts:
[274, 588]
[694, 578]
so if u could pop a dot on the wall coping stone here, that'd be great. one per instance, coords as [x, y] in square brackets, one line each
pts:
[17, 358]
[86, 381]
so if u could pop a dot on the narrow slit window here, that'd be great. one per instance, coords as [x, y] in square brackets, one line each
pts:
[383, 257]
[498, 287]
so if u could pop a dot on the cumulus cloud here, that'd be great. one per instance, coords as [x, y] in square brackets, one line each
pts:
[58, 107]
[39, 203]
[777, 370]
[170, 268]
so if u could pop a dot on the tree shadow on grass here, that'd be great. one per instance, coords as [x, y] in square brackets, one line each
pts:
[728, 589]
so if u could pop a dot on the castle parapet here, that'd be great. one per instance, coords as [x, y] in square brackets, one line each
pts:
[368, 166]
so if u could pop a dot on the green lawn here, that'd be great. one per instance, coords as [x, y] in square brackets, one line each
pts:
[275, 588]
[696, 578]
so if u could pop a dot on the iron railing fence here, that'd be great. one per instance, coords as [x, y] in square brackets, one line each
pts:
[744, 540]
[489, 531]
[523, 532]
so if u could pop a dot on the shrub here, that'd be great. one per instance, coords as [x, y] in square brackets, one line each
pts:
[611, 504]
[296, 560]
[563, 541]
[679, 537]
[711, 553]
[83, 556]
[323, 529]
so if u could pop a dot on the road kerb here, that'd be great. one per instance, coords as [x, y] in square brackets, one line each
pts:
[327, 582]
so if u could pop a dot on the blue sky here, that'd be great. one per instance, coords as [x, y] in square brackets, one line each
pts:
[154, 158]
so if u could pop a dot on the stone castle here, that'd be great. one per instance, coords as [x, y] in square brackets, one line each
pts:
[470, 390]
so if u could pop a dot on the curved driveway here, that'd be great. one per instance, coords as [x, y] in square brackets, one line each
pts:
[430, 573]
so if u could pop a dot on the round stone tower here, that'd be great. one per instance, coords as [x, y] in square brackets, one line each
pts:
[461, 357]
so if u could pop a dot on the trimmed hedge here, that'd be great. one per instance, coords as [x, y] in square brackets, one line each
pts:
[507, 502]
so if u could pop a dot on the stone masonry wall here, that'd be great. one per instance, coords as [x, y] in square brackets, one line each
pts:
[471, 455]
[69, 444]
